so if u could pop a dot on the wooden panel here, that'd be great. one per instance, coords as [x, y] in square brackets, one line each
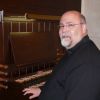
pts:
[1, 44]
[35, 26]
[14, 26]
[29, 27]
[47, 7]
[23, 27]
[33, 47]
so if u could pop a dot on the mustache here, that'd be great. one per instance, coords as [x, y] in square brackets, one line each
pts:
[65, 36]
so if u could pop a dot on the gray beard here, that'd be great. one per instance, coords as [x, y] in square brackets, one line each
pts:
[65, 43]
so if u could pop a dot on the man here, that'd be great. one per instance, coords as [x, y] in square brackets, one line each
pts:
[77, 76]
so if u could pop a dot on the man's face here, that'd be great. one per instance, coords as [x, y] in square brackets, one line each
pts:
[71, 30]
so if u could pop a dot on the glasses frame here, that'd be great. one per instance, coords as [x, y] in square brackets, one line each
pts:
[70, 25]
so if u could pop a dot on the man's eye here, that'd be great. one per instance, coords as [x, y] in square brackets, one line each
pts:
[70, 25]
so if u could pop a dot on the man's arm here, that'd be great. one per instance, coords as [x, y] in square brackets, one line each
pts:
[85, 84]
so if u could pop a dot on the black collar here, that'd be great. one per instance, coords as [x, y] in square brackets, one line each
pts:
[84, 40]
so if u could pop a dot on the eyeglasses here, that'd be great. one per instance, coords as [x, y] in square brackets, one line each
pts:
[69, 25]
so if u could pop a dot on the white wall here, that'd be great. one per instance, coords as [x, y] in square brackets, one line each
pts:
[91, 9]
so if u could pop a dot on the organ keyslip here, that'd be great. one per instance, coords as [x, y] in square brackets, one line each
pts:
[30, 47]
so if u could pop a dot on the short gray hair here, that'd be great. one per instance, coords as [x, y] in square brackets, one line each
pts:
[83, 19]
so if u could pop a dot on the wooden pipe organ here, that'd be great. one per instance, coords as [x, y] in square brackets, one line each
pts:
[28, 48]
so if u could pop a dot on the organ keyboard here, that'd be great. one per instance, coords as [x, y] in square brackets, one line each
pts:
[30, 75]
[3, 78]
[33, 77]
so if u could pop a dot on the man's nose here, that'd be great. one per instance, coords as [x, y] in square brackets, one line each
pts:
[65, 29]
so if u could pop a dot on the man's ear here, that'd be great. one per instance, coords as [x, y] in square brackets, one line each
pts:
[84, 28]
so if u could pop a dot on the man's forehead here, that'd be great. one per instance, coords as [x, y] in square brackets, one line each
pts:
[76, 13]
[69, 18]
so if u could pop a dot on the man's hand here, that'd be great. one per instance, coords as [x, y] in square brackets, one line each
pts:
[34, 91]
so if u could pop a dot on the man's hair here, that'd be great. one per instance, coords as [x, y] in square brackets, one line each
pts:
[83, 19]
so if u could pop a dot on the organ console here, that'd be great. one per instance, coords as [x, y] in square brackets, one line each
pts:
[29, 48]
